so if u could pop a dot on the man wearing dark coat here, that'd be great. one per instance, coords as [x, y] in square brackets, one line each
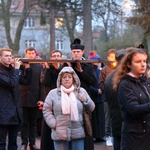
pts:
[30, 96]
[104, 72]
[10, 109]
[113, 104]
[49, 80]
[85, 73]
[98, 115]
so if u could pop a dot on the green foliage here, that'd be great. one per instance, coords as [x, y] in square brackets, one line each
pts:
[132, 38]
[144, 42]
[141, 15]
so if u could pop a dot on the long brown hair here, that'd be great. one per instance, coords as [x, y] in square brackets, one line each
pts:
[123, 67]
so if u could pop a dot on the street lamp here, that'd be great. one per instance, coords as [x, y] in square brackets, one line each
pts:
[126, 5]
[122, 18]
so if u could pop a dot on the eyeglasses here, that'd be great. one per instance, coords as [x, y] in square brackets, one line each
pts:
[54, 56]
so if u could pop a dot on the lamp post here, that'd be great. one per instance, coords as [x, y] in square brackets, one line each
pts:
[122, 18]
[126, 5]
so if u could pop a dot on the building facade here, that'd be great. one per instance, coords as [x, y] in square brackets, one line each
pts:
[33, 33]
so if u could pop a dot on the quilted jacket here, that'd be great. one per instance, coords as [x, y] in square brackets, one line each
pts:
[62, 126]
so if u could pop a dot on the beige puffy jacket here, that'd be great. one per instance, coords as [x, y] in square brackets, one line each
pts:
[62, 126]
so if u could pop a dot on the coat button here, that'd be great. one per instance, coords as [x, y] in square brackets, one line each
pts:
[143, 130]
[144, 121]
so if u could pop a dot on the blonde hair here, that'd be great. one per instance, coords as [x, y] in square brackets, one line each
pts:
[123, 67]
[4, 49]
[111, 51]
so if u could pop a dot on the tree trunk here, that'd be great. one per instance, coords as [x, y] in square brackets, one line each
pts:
[87, 27]
[148, 44]
[6, 5]
[52, 29]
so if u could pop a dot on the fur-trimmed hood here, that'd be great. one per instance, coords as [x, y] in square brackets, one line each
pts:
[75, 77]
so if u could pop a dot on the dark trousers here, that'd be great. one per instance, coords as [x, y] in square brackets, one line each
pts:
[107, 119]
[46, 140]
[98, 121]
[88, 143]
[117, 142]
[28, 126]
[12, 132]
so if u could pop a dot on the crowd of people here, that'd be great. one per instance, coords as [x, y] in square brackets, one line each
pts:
[54, 96]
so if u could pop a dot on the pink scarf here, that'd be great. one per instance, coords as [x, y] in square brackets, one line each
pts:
[69, 103]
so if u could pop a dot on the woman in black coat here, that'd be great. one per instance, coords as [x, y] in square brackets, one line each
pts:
[133, 89]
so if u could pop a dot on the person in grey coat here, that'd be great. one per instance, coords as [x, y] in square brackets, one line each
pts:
[63, 111]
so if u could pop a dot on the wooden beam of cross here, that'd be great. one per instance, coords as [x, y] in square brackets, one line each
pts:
[35, 61]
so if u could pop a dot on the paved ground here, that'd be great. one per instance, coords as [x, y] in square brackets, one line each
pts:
[97, 146]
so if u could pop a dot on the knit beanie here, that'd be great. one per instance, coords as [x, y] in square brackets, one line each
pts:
[93, 56]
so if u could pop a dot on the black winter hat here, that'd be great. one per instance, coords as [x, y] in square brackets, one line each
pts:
[120, 54]
[77, 44]
[141, 46]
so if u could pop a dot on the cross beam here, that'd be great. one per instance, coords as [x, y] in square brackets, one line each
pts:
[35, 61]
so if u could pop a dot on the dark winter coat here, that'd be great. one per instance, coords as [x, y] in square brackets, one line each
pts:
[32, 93]
[50, 78]
[86, 77]
[111, 98]
[135, 107]
[97, 98]
[98, 116]
[10, 78]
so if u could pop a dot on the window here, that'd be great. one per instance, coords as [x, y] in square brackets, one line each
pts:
[59, 44]
[30, 43]
[29, 23]
[0, 1]
[58, 22]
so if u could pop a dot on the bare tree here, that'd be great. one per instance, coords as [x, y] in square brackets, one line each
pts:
[108, 12]
[52, 29]
[69, 11]
[7, 12]
[87, 26]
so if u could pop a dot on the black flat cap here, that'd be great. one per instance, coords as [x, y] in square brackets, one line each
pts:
[77, 44]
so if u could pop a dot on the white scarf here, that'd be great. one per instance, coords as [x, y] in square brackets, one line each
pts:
[69, 103]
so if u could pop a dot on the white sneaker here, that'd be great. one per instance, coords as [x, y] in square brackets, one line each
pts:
[109, 141]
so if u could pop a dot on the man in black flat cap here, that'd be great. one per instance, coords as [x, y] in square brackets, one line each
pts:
[84, 71]
[86, 75]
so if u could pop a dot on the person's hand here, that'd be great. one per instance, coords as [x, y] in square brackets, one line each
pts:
[82, 98]
[78, 67]
[99, 91]
[40, 104]
[17, 63]
[27, 65]
[69, 64]
[46, 65]
[56, 65]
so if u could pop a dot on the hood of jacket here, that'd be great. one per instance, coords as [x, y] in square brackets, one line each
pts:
[75, 77]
